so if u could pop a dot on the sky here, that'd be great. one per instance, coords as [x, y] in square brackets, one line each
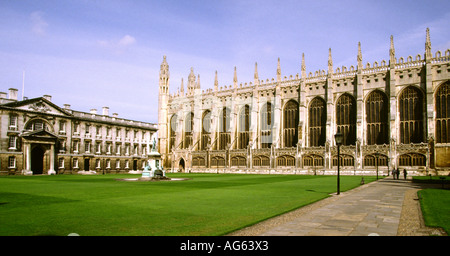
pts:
[96, 53]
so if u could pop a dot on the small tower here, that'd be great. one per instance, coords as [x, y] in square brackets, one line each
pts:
[162, 107]
[330, 62]
[182, 88]
[235, 80]
[191, 82]
[359, 57]
[256, 77]
[216, 83]
[278, 71]
[392, 52]
[164, 77]
[303, 67]
[428, 54]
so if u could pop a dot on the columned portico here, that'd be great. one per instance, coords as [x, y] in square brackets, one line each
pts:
[39, 146]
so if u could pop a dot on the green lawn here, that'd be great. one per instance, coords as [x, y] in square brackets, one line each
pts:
[435, 204]
[206, 204]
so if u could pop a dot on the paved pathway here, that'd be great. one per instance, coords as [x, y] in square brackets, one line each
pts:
[372, 209]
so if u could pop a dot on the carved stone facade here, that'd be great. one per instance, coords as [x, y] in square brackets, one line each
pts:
[38, 137]
[393, 114]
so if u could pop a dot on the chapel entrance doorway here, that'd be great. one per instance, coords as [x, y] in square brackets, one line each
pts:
[182, 165]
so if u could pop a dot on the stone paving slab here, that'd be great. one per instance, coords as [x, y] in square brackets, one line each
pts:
[373, 209]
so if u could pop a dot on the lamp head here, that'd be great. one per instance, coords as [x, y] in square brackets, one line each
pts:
[339, 137]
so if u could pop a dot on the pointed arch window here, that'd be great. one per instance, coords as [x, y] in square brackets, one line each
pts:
[244, 127]
[442, 105]
[206, 129]
[188, 130]
[377, 118]
[290, 124]
[173, 130]
[224, 129]
[317, 122]
[266, 125]
[346, 118]
[411, 115]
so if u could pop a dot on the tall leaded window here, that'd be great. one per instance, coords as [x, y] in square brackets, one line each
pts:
[317, 122]
[290, 124]
[188, 130]
[173, 130]
[443, 113]
[346, 118]
[244, 127]
[377, 118]
[411, 115]
[206, 129]
[224, 129]
[266, 125]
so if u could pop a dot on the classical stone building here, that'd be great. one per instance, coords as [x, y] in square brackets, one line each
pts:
[393, 114]
[38, 137]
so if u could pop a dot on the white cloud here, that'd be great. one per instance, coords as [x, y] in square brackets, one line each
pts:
[39, 25]
[127, 40]
[118, 46]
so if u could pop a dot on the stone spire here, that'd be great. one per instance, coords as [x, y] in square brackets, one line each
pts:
[359, 57]
[164, 77]
[278, 71]
[330, 62]
[198, 82]
[392, 51]
[182, 87]
[428, 54]
[256, 77]
[191, 82]
[216, 83]
[235, 80]
[303, 66]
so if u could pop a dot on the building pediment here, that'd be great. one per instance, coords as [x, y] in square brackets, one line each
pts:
[39, 135]
[38, 105]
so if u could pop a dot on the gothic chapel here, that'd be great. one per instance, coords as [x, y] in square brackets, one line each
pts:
[392, 114]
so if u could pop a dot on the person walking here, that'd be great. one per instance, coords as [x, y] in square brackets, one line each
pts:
[404, 173]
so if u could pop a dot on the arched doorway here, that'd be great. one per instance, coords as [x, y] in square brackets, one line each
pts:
[37, 160]
[182, 165]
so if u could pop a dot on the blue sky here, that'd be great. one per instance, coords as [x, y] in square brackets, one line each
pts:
[96, 53]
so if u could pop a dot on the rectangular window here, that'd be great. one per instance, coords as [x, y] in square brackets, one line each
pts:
[76, 129]
[13, 123]
[62, 127]
[117, 149]
[61, 162]
[76, 145]
[87, 146]
[12, 142]
[11, 162]
[75, 163]
[108, 148]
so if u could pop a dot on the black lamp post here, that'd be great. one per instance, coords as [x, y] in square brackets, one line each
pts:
[338, 137]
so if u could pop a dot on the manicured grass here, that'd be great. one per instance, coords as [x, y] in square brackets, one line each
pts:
[435, 204]
[206, 204]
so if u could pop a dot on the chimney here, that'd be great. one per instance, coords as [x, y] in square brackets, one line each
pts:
[48, 97]
[2, 95]
[67, 106]
[105, 111]
[13, 93]
[93, 111]
[115, 115]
